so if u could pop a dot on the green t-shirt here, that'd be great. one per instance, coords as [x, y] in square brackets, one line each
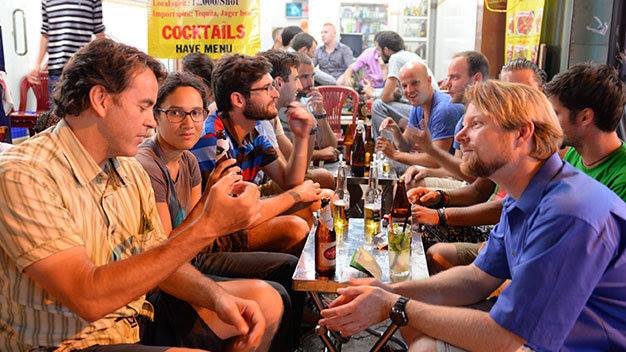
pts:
[611, 172]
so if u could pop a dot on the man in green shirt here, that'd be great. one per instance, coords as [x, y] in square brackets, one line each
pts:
[589, 101]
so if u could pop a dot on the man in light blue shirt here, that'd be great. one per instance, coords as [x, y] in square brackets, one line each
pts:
[561, 240]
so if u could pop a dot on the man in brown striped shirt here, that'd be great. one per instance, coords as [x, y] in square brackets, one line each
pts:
[81, 242]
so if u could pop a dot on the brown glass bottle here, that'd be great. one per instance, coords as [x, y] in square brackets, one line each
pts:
[325, 242]
[358, 152]
[401, 207]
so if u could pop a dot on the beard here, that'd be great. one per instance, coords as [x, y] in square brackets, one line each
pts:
[480, 168]
[258, 113]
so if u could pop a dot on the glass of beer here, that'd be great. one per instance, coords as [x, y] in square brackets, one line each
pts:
[340, 221]
[372, 215]
[386, 167]
[399, 251]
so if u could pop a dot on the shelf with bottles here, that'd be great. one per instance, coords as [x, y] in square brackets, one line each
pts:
[416, 9]
[413, 28]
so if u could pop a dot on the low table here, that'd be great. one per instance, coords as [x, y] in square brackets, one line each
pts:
[304, 278]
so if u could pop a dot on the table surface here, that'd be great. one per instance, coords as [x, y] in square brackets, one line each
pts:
[304, 278]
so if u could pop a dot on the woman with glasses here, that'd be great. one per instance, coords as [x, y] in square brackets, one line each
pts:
[180, 114]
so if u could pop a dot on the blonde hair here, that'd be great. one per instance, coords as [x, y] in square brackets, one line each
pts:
[513, 105]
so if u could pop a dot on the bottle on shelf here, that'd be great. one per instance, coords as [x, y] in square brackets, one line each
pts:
[325, 242]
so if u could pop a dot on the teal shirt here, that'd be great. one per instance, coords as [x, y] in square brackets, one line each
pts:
[611, 172]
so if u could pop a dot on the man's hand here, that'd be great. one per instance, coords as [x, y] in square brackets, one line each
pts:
[423, 196]
[420, 137]
[423, 215]
[389, 124]
[300, 120]
[246, 316]
[414, 174]
[223, 168]
[33, 76]
[229, 205]
[357, 308]
[316, 101]
[329, 153]
[387, 147]
[306, 192]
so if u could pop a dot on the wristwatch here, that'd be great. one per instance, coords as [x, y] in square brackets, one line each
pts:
[398, 313]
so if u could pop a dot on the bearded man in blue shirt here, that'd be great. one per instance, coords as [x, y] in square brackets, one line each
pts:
[561, 240]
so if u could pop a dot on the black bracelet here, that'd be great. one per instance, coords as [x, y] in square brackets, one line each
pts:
[320, 116]
[442, 216]
[442, 200]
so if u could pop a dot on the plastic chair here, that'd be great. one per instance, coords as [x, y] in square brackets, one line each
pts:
[27, 119]
[334, 100]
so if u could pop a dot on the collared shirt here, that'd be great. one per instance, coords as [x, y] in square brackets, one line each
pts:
[336, 62]
[562, 244]
[255, 151]
[368, 61]
[55, 197]
[443, 117]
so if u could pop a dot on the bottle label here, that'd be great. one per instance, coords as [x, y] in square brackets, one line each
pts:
[326, 253]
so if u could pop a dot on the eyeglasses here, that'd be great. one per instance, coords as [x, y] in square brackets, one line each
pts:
[267, 88]
[178, 115]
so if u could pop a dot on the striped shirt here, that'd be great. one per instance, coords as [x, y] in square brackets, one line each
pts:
[255, 151]
[68, 25]
[53, 197]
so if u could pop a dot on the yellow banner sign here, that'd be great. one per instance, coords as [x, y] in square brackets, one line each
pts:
[214, 27]
[523, 29]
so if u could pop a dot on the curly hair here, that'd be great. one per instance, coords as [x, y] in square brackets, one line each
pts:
[176, 80]
[102, 62]
[593, 86]
[236, 73]
[281, 61]
[200, 65]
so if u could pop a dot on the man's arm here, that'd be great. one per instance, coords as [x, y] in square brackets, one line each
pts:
[389, 89]
[94, 291]
[271, 207]
[291, 173]
[457, 286]
[420, 158]
[33, 75]
[487, 213]
[469, 329]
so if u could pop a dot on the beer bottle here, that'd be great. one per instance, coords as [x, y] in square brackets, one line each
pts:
[325, 242]
[362, 115]
[342, 201]
[373, 204]
[358, 152]
[369, 144]
[400, 208]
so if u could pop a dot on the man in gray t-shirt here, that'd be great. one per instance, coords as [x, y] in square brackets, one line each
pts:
[391, 103]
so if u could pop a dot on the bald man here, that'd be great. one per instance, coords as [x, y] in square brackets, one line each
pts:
[431, 109]
[332, 56]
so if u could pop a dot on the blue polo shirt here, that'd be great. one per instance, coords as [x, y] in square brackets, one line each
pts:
[443, 116]
[562, 244]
